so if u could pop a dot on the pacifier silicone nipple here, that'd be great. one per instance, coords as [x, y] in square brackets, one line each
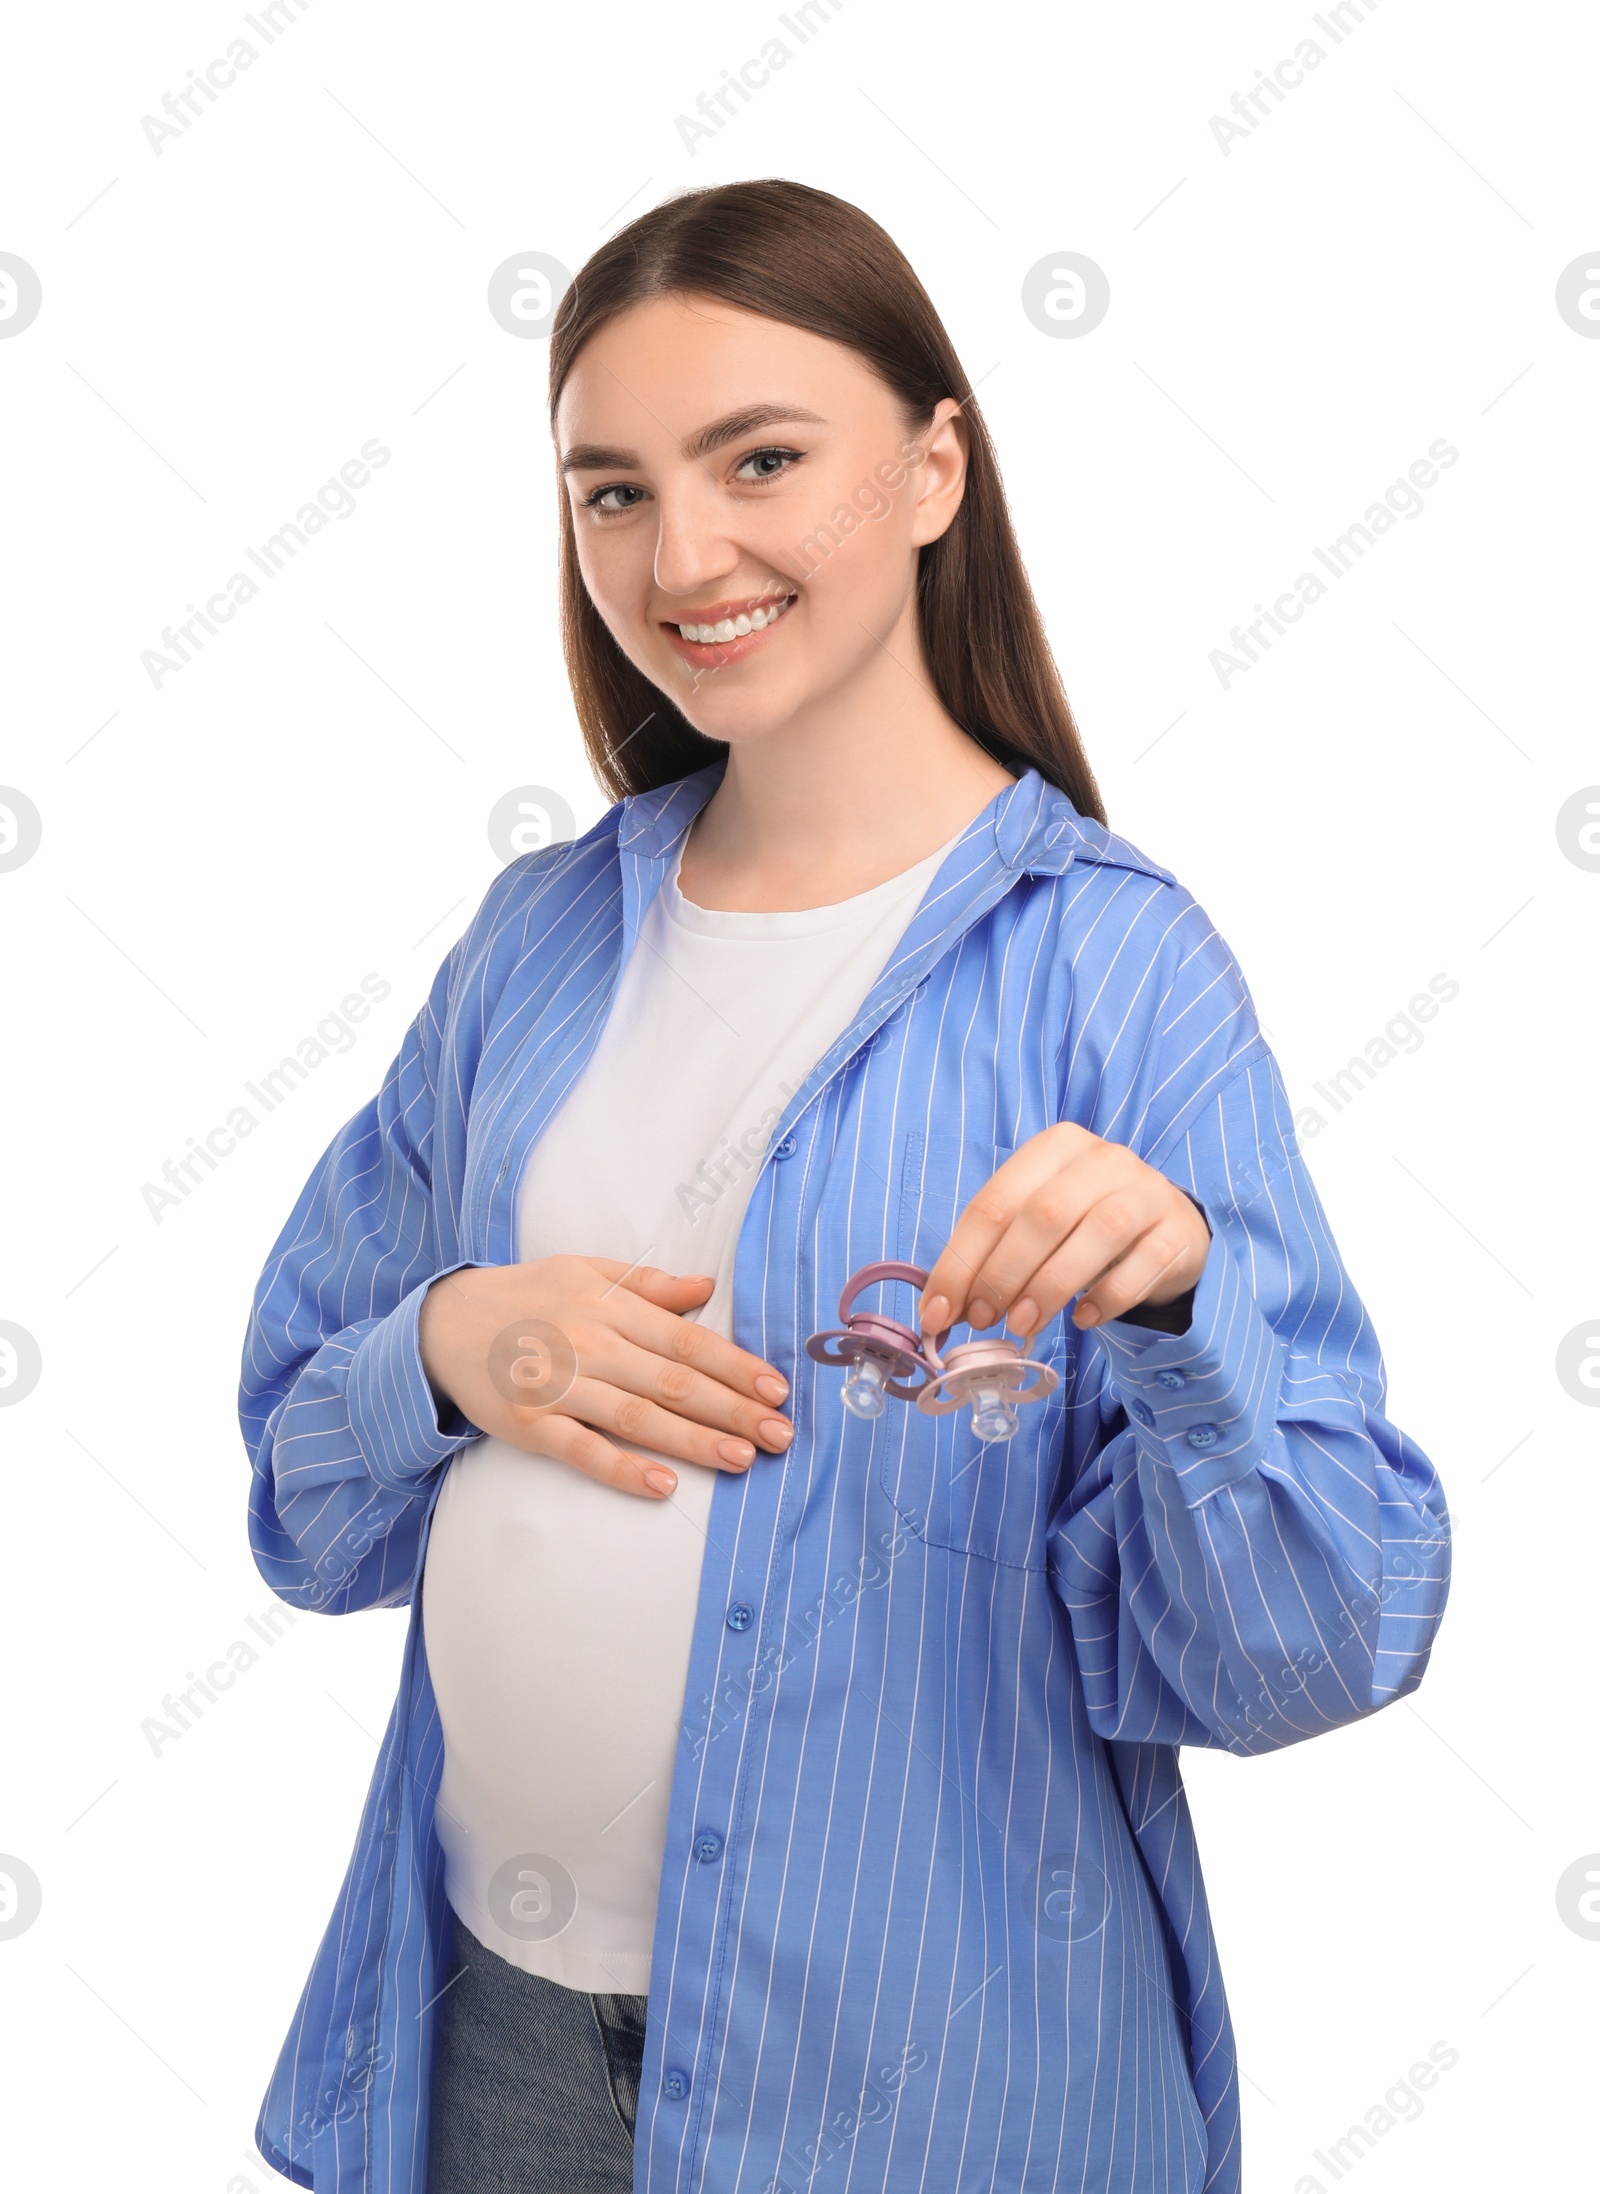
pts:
[865, 1388]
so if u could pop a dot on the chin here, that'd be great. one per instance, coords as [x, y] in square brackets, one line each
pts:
[734, 718]
[743, 727]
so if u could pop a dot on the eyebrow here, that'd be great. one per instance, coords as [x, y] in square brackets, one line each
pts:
[603, 457]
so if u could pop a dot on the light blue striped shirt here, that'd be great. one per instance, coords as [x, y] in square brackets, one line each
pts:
[931, 1914]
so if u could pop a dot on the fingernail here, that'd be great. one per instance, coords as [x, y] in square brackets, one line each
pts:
[772, 1387]
[980, 1314]
[1023, 1315]
[736, 1451]
[935, 1314]
[1087, 1315]
[662, 1480]
[777, 1431]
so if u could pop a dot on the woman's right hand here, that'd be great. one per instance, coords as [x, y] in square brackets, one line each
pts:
[632, 1366]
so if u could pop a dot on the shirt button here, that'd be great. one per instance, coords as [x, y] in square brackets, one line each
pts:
[675, 2084]
[1201, 1435]
[1173, 1379]
[741, 1615]
[707, 1846]
[787, 1148]
[1142, 1410]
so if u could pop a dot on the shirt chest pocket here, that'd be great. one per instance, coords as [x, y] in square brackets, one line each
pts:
[953, 1491]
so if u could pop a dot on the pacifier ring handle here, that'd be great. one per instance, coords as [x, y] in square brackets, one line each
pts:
[869, 1321]
[870, 1275]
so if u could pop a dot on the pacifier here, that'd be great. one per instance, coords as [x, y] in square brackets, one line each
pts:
[880, 1351]
[994, 1376]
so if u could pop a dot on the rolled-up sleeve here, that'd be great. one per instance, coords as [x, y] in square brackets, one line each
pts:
[1253, 1552]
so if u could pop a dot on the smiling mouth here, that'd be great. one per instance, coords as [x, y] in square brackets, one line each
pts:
[727, 624]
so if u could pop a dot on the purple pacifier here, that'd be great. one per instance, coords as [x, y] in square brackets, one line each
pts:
[880, 1351]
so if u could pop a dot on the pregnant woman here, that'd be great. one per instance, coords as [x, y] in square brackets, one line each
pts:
[776, 1796]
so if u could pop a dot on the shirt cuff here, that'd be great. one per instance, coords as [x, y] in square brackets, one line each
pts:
[1205, 1401]
[392, 1409]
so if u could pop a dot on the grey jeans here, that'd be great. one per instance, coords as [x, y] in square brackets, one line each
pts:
[535, 2087]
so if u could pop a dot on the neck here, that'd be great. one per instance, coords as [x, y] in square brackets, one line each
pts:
[856, 789]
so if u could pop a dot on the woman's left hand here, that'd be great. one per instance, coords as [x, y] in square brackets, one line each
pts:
[1068, 1214]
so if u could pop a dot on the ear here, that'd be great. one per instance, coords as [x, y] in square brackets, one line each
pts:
[942, 475]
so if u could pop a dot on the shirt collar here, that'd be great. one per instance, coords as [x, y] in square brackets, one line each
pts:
[651, 821]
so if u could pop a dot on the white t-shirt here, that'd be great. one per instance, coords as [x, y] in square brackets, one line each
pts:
[558, 1612]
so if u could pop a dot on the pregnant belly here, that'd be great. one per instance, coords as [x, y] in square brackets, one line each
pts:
[557, 1619]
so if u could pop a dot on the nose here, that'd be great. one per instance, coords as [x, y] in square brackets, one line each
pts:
[694, 550]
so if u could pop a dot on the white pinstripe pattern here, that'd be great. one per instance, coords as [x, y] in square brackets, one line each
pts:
[961, 1666]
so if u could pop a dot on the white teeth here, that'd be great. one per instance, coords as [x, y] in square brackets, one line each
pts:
[734, 628]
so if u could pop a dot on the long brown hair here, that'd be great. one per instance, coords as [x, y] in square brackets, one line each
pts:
[816, 262]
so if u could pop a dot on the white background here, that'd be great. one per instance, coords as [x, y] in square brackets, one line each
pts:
[223, 859]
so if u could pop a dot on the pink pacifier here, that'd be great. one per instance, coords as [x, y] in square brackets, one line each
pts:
[995, 1377]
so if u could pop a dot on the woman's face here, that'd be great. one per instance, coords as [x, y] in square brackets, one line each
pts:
[748, 504]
